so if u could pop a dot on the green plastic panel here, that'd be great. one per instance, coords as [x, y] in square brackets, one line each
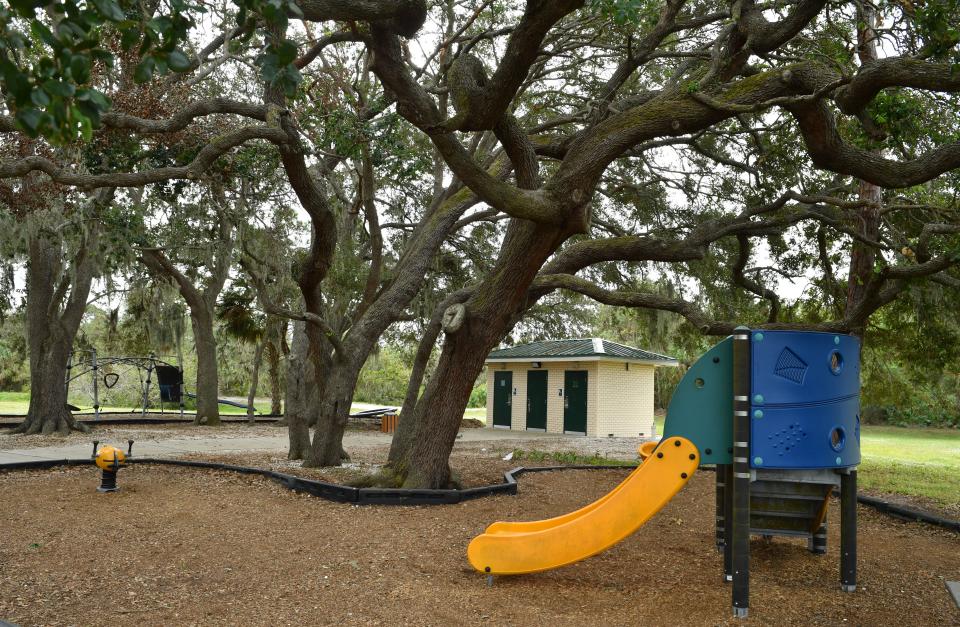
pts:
[701, 409]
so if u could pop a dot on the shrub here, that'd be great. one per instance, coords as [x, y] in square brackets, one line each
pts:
[383, 379]
[926, 412]
[478, 397]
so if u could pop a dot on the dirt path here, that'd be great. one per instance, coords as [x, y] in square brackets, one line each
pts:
[180, 546]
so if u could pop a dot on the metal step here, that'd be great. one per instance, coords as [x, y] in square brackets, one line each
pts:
[782, 524]
[788, 503]
[790, 490]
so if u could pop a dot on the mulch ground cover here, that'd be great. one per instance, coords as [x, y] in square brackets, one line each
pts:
[180, 546]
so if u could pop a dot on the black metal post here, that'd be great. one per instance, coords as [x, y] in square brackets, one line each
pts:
[721, 484]
[728, 522]
[96, 384]
[741, 472]
[146, 388]
[848, 531]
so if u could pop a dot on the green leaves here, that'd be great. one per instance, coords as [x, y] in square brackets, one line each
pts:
[936, 21]
[276, 66]
[46, 78]
[626, 12]
[177, 61]
[46, 70]
[276, 62]
[110, 10]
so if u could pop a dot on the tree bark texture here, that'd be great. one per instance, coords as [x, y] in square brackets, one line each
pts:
[866, 219]
[301, 386]
[276, 387]
[52, 325]
[255, 379]
[492, 311]
[339, 370]
[208, 384]
[332, 417]
[406, 429]
[202, 304]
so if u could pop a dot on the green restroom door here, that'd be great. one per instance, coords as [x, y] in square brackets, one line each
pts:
[575, 401]
[537, 399]
[502, 397]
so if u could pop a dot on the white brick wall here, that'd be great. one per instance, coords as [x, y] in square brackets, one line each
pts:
[626, 399]
[519, 408]
[490, 369]
[619, 401]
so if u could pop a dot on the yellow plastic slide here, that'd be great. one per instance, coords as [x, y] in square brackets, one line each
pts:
[516, 548]
[645, 450]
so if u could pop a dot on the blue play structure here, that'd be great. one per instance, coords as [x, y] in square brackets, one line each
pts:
[805, 400]
[778, 413]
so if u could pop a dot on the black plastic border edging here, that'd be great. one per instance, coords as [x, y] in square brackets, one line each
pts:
[402, 496]
[348, 494]
[907, 513]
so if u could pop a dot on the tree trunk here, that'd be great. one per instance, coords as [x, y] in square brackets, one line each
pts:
[867, 218]
[300, 383]
[254, 379]
[50, 333]
[48, 393]
[406, 429]
[208, 385]
[491, 312]
[201, 304]
[276, 389]
[334, 414]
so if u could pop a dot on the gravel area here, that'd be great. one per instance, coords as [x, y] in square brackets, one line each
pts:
[192, 547]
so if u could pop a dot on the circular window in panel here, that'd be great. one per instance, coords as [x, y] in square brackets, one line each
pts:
[836, 362]
[838, 438]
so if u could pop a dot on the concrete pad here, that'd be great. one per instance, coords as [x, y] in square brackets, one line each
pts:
[151, 448]
[953, 587]
[277, 443]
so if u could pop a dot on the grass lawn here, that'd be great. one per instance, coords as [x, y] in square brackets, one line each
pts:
[477, 413]
[16, 403]
[916, 462]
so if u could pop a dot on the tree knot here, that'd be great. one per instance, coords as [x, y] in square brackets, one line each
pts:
[453, 318]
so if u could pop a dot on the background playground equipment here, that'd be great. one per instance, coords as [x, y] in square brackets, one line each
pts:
[110, 460]
[777, 412]
[123, 381]
[127, 381]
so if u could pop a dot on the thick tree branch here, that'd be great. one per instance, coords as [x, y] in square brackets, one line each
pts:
[739, 278]
[895, 72]
[333, 38]
[216, 148]
[158, 262]
[179, 121]
[644, 300]
[417, 106]
[404, 16]
[829, 151]
[522, 50]
[273, 308]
